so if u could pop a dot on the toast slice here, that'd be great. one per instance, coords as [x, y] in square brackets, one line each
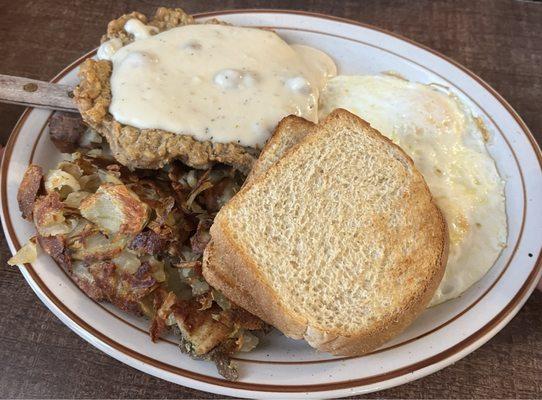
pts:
[339, 242]
[288, 132]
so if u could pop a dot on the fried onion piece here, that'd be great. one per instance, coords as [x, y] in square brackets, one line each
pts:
[214, 198]
[202, 237]
[149, 242]
[163, 307]
[195, 265]
[26, 254]
[29, 190]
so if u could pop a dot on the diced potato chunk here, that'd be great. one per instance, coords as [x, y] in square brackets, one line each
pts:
[115, 209]
[49, 216]
[61, 182]
[74, 199]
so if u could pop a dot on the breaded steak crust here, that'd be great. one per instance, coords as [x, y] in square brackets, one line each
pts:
[147, 148]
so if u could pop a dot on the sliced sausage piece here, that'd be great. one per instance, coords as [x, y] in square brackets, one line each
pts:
[65, 130]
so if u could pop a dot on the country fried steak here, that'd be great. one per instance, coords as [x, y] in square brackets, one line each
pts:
[147, 148]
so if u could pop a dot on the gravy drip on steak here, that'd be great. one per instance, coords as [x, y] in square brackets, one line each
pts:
[216, 83]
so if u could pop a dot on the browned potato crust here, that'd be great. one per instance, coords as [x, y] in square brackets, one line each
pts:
[28, 191]
[134, 239]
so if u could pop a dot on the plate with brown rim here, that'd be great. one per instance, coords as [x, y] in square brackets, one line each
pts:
[284, 368]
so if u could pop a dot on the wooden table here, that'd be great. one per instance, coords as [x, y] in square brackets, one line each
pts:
[501, 41]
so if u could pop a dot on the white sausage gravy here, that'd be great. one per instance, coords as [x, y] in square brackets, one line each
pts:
[214, 82]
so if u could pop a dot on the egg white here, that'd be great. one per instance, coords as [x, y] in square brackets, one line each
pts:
[447, 145]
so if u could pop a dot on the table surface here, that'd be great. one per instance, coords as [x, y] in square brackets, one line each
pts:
[501, 41]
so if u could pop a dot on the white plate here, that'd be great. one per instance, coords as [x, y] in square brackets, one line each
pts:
[283, 367]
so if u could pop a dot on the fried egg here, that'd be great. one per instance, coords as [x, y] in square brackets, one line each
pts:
[447, 145]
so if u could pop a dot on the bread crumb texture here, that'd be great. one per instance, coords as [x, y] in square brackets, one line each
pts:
[343, 229]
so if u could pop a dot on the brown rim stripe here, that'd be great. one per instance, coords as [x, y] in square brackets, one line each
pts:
[337, 385]
[317, 387]
[338, 359]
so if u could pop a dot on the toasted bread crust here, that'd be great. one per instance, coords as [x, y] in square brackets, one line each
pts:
[248, 290]
[289, 131]
[229, 269]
